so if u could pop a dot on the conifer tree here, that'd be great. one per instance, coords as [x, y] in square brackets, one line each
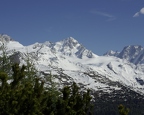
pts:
[53, 93]
[74, 102]
[21, 98]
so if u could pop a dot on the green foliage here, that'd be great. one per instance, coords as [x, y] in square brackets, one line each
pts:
[123, 110]
[53, 95]
[18, 97]
[22, 96]
[74, 102]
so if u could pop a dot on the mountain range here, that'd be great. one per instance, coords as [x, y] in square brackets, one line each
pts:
[131, 53]
[121, 72]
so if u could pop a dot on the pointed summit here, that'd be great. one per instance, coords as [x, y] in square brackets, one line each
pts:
[71, 47]
[71, 42]
[71, 39]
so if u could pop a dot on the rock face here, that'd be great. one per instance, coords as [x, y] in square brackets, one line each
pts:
[132, 53]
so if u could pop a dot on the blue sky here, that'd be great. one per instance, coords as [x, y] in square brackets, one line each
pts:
[100, 25]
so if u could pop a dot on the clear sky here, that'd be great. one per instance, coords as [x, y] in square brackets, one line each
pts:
[100, 25]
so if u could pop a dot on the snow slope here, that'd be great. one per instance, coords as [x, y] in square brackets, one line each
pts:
[73, 62]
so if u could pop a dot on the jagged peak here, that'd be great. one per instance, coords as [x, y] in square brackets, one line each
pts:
[69, 42]
[133, 47]
[132, 53]
[71, 47]
[131, 50]
[111, 53]
[70, 39]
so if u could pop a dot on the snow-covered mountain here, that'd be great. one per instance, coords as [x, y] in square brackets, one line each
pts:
[71, 61]
[111, 53]
[131, 53]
